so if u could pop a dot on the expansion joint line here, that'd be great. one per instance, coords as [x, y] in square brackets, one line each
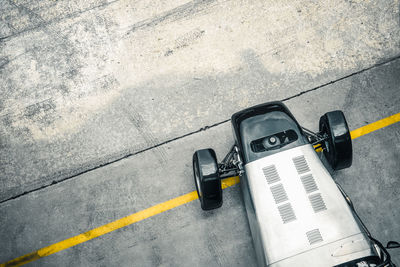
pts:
[194, 132]
[159, 208]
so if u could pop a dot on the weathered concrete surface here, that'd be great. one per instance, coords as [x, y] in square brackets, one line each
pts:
[186, 235]
[83, 83]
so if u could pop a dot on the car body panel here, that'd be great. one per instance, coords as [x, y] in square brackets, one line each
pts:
[296, 211]
[322, 256]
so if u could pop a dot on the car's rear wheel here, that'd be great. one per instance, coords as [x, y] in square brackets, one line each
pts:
[206, 178]
[337, 148]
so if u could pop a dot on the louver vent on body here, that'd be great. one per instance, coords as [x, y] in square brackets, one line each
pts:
[309, 183]
[271, 174]
[287, 213]
[314, 236]
[317, 202]
[279, 193]
[301, 164]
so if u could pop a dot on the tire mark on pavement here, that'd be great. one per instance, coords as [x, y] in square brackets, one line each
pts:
[55, 20]
[192, 8]
[140, 124]
[215, 247]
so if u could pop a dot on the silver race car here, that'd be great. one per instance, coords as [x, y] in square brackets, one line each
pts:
[298, 215]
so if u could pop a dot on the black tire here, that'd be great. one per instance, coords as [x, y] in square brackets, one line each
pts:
[338, 148]
[206, 178]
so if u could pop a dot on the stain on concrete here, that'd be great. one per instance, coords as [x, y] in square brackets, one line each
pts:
[156, 258]
[3, 61]
[37, 108]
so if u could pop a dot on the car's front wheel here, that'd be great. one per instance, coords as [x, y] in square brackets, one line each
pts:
[206, 178]
[337, 148]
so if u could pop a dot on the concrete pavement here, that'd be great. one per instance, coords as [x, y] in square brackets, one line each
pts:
[187, 235]
[86, 84]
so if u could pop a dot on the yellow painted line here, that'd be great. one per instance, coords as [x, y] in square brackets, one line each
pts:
[318, 149]
[375, 126]
[159, 208]
[369, 128]
[112, 226]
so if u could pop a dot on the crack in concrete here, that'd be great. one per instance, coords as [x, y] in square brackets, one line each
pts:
[344, 77]
[194, 132]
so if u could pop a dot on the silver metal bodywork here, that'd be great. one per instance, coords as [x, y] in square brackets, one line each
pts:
[297, 214]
